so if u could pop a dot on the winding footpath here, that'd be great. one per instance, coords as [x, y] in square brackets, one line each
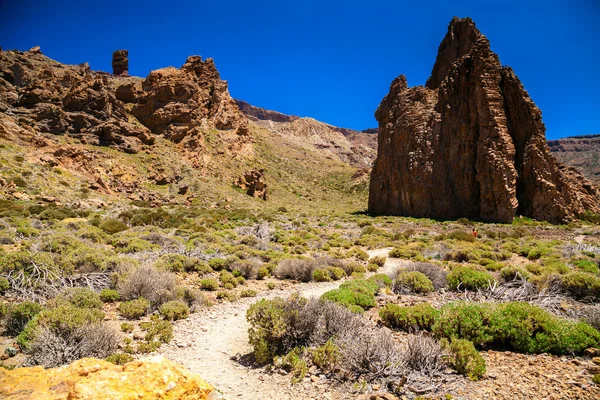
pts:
[213, 343]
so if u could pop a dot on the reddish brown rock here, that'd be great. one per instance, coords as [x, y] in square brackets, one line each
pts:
[254, 183]
[120, 63]
[470, 144]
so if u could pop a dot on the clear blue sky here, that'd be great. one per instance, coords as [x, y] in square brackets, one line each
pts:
[330, 60]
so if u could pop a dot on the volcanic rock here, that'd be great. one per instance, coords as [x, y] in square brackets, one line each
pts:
[89, 378]
[254, 183]
[471, 143]
[120, 63]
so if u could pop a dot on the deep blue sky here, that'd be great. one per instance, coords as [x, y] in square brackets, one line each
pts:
[330, 60]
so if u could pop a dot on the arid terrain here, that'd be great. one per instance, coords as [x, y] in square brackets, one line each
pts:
[164, 240]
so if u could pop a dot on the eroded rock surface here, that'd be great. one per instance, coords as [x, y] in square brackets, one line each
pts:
[254, 183]
[120, 63]
[471, 143]
[90, 378]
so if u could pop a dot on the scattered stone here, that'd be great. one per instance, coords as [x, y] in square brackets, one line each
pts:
[11, 351]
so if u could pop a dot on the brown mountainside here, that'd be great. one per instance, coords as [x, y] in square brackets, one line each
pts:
[471, 143]
[581, 152]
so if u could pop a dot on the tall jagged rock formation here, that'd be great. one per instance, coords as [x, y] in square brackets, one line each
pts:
[471, 143]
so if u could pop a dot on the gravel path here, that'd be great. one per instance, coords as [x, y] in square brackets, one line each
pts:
[213, 343]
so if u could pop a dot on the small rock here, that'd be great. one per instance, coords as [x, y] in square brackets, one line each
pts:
[592, 352]
[11, 351]
[596, 360]
[314, 378]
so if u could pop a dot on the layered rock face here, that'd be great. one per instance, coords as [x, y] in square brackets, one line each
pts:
[471, 143]
[50, 97]
[89, 378]
[120, 63]
[581, 152]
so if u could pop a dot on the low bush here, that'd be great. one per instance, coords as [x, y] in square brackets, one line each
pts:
[327, 356]
[511, 273]
[413, 318]
[127, 327]
[109, 295]
[357, 295]
[181, 263]
[119, 358]
[248, 293]
[296, 269]
[112, 226]
[468, 278]
[465, 359]
[156, 286]
[423, 354]
[217, 264]
[412, 281]
[436, 274]
[246, 268]
[4, 285]
[321, 275]
[379, 261]
[157, 330]
[79, 297]
[587, 266]
[336, 273]
[227, 278]
[174, 310]
[581, 285]
[134, 309]
[382, 280]
[517, 326]
[209, 284]
[460, 235]
[18, 315]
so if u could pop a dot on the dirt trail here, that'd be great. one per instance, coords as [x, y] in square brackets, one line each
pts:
[206, 342]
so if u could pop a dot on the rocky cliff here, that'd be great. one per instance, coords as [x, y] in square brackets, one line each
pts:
[89, 378]
[581, 152]
[115, 110]
[471, 143]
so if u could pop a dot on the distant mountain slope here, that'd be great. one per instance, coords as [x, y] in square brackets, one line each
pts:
[581, 152]
[352, 147]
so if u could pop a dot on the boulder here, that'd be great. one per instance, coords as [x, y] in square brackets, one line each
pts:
[471, 143]
[89, 378]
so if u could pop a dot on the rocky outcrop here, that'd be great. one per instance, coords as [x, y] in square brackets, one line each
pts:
[120, 63]
[260, 114]
[581, 152]
[89, 378]
[471, 143]
[254, 183]
[119, 111]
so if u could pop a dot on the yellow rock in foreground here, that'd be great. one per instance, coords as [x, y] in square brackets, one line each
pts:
[90, 378]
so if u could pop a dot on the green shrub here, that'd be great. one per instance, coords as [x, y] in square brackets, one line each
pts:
[248, 293]
[62, 320]
[181, 263]
[517, 326]
[379, 261]
[134, 309]
[174, 310]
[109, 295]
[120, 358]
[240, 280]
[327, 356]
[413, 281]
[403, 252]
[127, 327]
[157, 329]
[217, 264]
[511, 272]
[18, 315]
[382, 280]
[460, 235]
[357, 295]
[336, 273]
[4, 285]
[321, 275]
[465, 359]
[80, 297]
[581, 285]
[263, 272]
[464, 277]
[587, 266]
[227, 278]
[112, 226]
[209, 284]
[418, 317]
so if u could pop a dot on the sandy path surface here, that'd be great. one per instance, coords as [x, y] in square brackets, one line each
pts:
[213, 343]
